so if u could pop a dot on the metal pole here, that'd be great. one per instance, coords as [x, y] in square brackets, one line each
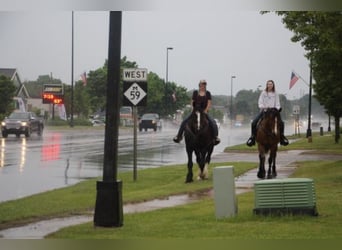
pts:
[231, 100]
[167, 76]
[308, 132]
[135, 155]
[72, 71]
[109, 207]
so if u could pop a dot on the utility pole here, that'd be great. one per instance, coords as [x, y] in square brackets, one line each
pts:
[108, 207]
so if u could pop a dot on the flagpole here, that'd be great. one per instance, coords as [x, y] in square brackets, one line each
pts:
[308, 131]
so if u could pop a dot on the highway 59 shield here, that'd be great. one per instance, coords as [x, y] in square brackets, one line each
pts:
[134, 93]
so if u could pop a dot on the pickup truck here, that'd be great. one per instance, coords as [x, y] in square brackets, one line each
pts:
[22, 123]
[150, 120]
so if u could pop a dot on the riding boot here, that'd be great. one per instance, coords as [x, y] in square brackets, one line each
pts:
[177, 138]
[215, 130]
[179, 135]
[251, 141]
[283, 140]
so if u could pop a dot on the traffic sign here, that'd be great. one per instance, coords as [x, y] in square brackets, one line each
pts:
[134, 75]
[135, 93]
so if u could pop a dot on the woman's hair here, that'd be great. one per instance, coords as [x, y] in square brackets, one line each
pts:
[204, 82]
[273, 88]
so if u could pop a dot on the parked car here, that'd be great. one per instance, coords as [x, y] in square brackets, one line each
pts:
[150, 120]
[97, 123]
[22, 123]
[238, 124]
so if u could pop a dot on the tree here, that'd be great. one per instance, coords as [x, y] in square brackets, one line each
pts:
[246, 103]
[7, 92]
[320, 34]
[175, 95]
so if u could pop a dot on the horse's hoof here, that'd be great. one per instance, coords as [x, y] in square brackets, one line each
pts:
[188, 181]
[261, 176]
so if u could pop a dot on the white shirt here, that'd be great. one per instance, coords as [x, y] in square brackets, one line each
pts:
[268, 100]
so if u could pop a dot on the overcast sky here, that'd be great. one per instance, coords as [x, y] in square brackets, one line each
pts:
[212, 45]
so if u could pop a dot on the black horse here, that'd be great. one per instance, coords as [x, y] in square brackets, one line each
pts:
[268, 137]
[199, 139]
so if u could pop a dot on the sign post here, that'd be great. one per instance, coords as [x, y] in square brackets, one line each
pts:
[135, 93]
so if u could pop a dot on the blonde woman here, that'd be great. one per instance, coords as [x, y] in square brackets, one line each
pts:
[200, 98]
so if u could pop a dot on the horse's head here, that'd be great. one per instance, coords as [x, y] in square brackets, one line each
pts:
[271, 118]
[198, 120]
[271, 112]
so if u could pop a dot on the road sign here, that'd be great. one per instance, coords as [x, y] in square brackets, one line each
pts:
[135, 87]
[134, 75]
[135, 93]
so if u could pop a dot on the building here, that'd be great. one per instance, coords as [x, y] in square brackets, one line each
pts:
[21, 94]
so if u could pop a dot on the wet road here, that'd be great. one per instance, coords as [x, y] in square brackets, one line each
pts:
[62, 158]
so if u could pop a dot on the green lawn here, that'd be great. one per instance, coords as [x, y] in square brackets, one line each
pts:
[80, 198]
[320, 144]
[195, 220]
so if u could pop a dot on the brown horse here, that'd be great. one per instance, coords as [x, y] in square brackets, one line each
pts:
[268, 137]
[199, 139]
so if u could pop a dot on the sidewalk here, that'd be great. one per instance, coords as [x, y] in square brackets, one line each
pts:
[243, 183]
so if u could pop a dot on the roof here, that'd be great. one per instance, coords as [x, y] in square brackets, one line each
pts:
[8, 72]
[14, 76]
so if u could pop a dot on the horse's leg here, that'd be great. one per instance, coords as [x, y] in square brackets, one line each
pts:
[207, 162]
[261, 173]
[270, 161]
[274, 169]
[190, 164]
[200, 161]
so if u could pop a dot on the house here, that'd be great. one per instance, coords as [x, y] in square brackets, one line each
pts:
[28, 95]
[21, 94]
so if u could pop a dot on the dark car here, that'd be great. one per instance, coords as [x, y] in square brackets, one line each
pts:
[150, 120]
[19, 123]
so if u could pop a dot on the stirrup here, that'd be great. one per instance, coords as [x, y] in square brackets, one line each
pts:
[284, 141]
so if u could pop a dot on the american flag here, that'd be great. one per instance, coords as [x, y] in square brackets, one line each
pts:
[84, 79]
[294, 79]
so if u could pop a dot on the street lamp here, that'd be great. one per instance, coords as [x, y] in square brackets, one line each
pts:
[167, 62]
[167, 75]
[231, 100]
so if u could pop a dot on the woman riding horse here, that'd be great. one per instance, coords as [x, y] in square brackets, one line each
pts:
[268, 98]
[200, 98]
[268, 137]
[199, 140]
